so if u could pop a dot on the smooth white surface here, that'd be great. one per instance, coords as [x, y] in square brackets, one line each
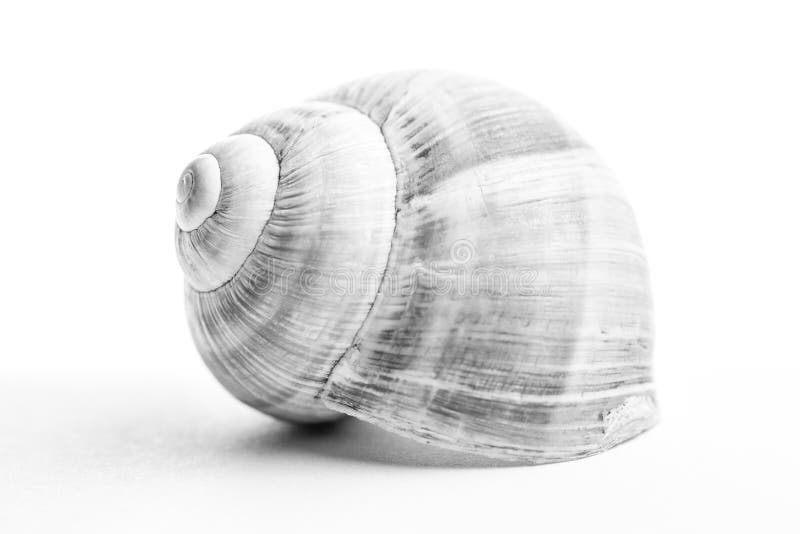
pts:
[109, 421]
[198, 192]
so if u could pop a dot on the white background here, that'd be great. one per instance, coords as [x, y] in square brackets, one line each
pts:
[110, 423]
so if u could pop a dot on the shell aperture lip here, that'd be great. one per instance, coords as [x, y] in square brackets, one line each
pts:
[198, 192]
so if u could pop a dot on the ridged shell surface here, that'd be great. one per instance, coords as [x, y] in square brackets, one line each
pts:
[438, 255]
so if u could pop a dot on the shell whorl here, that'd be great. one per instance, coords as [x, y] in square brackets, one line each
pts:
[388, 190]
[225, 197]
[275, 329]
[198, 192]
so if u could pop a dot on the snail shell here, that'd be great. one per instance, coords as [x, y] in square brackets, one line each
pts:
[431, 253]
